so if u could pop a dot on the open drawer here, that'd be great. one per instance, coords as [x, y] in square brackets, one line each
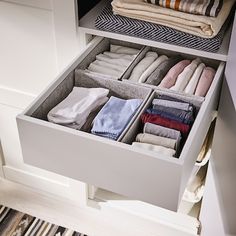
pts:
[108, 164]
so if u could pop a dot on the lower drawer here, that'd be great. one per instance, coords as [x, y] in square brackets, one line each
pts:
[112, 165]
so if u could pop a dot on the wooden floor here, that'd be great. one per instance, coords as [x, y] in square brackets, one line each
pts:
[88, 220]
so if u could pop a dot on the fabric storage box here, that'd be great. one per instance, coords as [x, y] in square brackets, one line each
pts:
[110, 165]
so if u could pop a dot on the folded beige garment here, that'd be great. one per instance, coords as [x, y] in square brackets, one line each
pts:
[156, 140]
[203, 26]
[156, 148]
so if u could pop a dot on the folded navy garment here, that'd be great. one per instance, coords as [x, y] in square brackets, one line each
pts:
[182, 116]
[114, 117]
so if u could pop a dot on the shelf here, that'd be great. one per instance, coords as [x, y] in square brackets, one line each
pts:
[87, 26]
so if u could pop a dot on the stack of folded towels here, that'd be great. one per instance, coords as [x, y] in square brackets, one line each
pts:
[113, 63]
[193, 24]
[90, 110]
[166, 123]
[175, 73]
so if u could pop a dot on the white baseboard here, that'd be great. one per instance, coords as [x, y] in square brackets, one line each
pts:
[73, 190]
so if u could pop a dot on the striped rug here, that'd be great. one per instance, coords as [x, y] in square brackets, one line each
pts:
[15, 223]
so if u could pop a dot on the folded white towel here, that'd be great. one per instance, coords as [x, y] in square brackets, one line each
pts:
[192, 84]
[149, 58]
[114, 61]
[185, 76]
[122, 49]
[159, 149]
[103, 70]
[98, 75]
[76, 107]
[202, 26]
[151, 68]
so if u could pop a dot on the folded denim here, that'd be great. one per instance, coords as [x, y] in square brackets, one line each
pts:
[156, 140]
[75, 108]
[157, 76]
[114, 117]
[182, 116]
[168, 123]
[155, 148]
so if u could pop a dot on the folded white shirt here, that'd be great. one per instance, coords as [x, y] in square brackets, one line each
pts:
[115, 61]
[76, 107]
[103, 70]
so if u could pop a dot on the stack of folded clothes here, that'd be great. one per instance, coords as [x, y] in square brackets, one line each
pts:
[166, 123]
[90, 110]
[194, 24]
[112, 64]
[175, 73]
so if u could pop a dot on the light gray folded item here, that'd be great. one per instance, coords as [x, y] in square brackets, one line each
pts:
[172, 104]
[76, 107]
[158, 149]
[116, 67]
[113, 55]
[138, 70]
[152, 68]
[123, 49]
[156, 140]
[185, 76]
[106, 71]
[115, 61]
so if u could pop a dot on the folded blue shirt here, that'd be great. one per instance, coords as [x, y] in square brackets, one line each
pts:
[114, 117]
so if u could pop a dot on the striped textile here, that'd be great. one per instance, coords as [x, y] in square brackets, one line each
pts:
[108, 21]
[197, 7]
[14, 223]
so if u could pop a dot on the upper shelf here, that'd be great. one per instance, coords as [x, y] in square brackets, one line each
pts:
[87, 25]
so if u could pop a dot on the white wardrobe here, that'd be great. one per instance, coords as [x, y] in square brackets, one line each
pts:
[51, 171]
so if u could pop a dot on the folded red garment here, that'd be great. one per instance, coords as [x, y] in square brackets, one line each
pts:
[165, 122]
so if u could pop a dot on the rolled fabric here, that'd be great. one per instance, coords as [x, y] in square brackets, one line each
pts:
[157, 76]
[113, 55]
[149, 58]
[152, 68]
[114, 117]
[186, 117]
[171, 77]
[156, 140]
[168, 123]
[185, 76]
[103, 70]
[158, 130]
[159, 149]
[192, 84]
[115, 61]
[76, 107]
[171, 104]
[205, 81]
[123, 49]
